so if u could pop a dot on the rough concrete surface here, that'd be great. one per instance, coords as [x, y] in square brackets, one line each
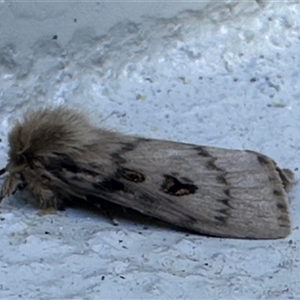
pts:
[212, 73]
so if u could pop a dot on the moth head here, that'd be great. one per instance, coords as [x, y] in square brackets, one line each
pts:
[39, 133]
[19, 148]
[46, 131]
[12, 182]
[14, 179]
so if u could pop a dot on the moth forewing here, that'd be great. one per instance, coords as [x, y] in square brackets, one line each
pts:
[215, 191]
[220, 192]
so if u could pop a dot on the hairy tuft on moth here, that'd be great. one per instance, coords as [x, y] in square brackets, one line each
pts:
[58, 156]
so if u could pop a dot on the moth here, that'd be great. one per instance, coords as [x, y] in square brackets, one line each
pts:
[57, 155]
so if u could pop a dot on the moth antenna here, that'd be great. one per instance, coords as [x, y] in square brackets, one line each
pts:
[2, 171]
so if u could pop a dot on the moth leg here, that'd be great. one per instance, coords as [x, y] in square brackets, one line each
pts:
[46, 198]
[106, 211]
[105, 208]
[11, 185]
[2, 171]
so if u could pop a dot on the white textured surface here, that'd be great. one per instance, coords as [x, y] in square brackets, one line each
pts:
[227, 75]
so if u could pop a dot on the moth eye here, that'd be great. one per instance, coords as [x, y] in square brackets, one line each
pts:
[22, 186]
[173, 186]
[14, 158]
[20, 161]
[131, 175]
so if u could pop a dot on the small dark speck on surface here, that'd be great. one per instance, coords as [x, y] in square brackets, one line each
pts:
[296, 169]
[102, 277]
[75, 20]
[47, 232]
[290, 242]
[122, 277]
[0, 140]
[2, 219]
[124, 247]
[55, 37]
[120, 241]
[253, 79]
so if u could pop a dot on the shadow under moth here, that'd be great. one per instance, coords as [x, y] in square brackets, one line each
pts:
[57, 155]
